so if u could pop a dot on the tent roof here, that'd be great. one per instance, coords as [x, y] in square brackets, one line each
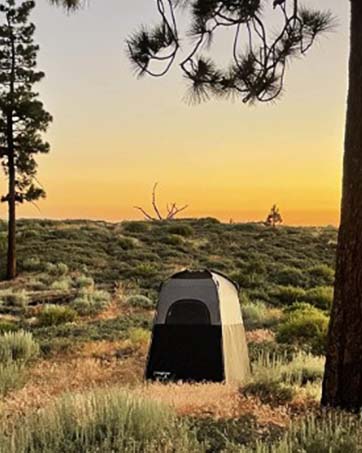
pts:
[188, 274]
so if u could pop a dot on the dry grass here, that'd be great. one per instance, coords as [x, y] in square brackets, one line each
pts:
[113, 311]
[50, 379]
[215, 400]
[260, 336]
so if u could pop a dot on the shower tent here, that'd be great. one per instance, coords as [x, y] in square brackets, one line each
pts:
[198, 333]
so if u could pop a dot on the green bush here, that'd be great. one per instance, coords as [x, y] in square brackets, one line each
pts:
[277, 377]
[172, 239]
[11, 378]
[14, 299]
[145, 270]
[8, 326]
[126, 243]
[228, 435]
[82, 281]
[332, 432]
[290, 276]
[32, 265]
[257, 315]
[321, 297]
[287, 295]
[139, 301]
[91, 302]
[101, 421]
[136, 227]
[321, 275]
[270, 392]
[138, 336]
[306, 327]
[63, 284]
[248, 280]
[54, 315]
[181, 230]
[57, 270]
[17, 347]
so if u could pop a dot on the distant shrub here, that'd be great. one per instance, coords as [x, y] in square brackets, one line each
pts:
[15, 299]
[271, 348]
[270, 392]
[63, 284]
[91, 303]
[55, 346]
[172, 239]
[181, 230]
[139, 301]
[57, 270]
[321, 275]
[306, 327]
[335, 432]
[206, 221]
[257, 315]
[145, 270]
[298, 307]
[126, 243]
[11, 377]
[82, 281]
[32, 265]
[7, 326]
[321, 297]
[287, 295]
[17, 347]
[107, 420]
[101, 297]
[290, 276]
[138, 337]
[31, 234]
[54, 315]
[136, 227]
[227, 435]
[304, 369]
[248, 280]
[278, 377]
[244, 298]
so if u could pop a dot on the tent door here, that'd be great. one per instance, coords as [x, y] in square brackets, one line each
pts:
[188, 312]
[187, 347]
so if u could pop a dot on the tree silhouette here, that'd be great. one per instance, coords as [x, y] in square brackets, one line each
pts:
[274, 217]
[68, 4]
[256, 73]
[259, 56]
[22, 116]
[172, 209]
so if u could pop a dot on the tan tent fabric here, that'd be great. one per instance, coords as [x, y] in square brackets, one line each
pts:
[236, 357]
[230, 312]
[215, 350]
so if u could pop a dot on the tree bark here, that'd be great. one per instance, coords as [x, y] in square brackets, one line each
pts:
[342, 385]
[11, 258]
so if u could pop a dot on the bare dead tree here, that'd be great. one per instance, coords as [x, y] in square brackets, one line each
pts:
[172, 209]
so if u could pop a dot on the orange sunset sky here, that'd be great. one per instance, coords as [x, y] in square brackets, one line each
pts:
[113, 136]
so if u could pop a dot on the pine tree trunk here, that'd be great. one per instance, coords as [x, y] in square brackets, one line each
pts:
[342, 386]
[11, 259]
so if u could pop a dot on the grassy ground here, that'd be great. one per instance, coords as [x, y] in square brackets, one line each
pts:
[76, 323]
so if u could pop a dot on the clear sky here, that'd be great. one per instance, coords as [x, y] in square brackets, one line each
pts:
[113, 136]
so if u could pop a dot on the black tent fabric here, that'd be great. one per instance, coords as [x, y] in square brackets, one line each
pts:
[187, 353]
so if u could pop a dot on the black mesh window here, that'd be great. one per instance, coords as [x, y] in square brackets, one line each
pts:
[186, 312]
